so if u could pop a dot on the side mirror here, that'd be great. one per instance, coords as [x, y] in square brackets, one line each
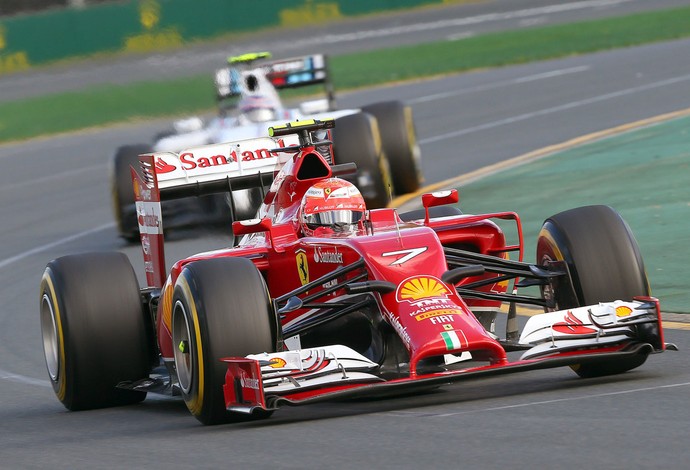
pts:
[314, 106]
[438, 198]
[191, 124]
[244, 227]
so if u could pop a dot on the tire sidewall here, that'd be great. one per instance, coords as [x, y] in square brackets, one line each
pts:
[220, 327]
[602, 255]
[100, 331]
[123, 191]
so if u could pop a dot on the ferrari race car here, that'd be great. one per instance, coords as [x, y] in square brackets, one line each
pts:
[379, 138]
[322, 299]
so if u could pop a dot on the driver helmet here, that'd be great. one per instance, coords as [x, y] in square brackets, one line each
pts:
[258, 108]
[331, 206]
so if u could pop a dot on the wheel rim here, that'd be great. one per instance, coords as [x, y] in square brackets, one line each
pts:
[182, 347]
[546, 290]
[50, 338]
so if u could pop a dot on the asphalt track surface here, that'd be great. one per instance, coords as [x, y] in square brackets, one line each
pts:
[55, 202]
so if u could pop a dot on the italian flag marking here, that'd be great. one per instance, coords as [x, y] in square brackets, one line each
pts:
[451, 339]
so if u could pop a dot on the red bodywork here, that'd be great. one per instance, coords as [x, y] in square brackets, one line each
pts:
[428, 315]
[387, 245]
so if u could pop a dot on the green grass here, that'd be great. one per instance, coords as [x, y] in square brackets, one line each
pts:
[641, 174]
[104, 105]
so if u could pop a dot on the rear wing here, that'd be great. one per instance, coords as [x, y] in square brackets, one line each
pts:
[285, 73]
[222, 167]
[198, 171]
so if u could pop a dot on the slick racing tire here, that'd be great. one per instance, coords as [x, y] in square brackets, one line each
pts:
[398, 137]
[221, 308]
[356, 139]
[95, 333]
[604, 262]
[123, 192]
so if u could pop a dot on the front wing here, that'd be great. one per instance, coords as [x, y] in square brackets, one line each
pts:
[244, 391]
[607, 332]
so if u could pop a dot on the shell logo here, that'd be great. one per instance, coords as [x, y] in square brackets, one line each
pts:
[623, 311]
[421, 287]
[277, 363]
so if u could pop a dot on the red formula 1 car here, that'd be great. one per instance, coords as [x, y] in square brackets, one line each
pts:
[322, 299]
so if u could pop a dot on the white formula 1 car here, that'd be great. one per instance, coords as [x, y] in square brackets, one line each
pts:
[379, 138]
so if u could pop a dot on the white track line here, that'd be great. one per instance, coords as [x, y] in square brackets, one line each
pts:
[21, 379]
[456, 22]
[417, 415]
[40, 249]
[56, 176]
[555, 109]
[499, 84]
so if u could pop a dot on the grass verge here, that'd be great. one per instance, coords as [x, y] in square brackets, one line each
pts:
[110, 104]
[642, 174]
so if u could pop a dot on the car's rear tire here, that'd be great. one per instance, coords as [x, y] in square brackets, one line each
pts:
[399, 140]
[221, 308]
[94, 330]
[356, 139]
[123, 192]
[604, 262]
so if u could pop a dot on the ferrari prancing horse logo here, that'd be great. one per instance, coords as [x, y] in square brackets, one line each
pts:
[302, 266]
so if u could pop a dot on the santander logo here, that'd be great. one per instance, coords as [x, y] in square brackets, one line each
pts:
[571, 325]
[201, 158]
[163, 167]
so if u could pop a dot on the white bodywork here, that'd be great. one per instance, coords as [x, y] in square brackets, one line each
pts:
[228, 129]
[306, 368]
[594, 325]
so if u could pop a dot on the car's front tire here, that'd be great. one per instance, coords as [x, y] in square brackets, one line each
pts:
[221, 308]
[604, 262]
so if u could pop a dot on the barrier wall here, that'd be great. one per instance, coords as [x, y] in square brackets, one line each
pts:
[151, 25]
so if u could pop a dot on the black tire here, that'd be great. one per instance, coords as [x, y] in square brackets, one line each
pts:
[95, 334]
[246, 202]
[437, 211]
[123, 192]
[221, 308]
[399, 140]
[356, 139]
[605, 264]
